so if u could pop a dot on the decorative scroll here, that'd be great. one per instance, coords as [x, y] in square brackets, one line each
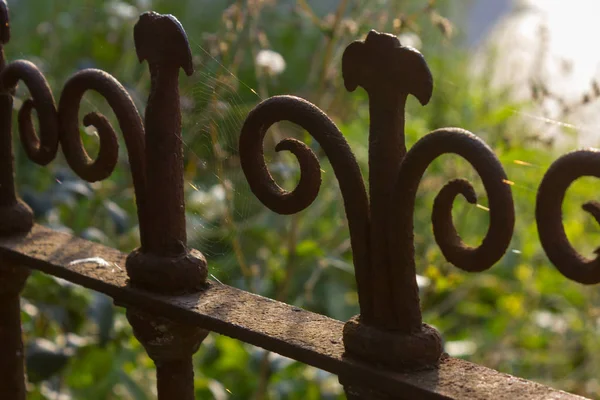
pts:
[482, 158]
[400, 259]
[401, 263]
[548, 214]
[43, 148]
[346, 169]
[130, 123]
[129, 119]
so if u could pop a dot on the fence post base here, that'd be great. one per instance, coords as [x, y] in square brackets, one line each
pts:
[396, 350]
[171, 346]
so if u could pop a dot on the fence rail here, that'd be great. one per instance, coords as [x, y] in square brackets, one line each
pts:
[385, 352]
[287, 330]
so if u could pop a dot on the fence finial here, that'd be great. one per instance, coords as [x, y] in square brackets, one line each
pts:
[389, 72]
[161, 40]
[380, 64]
[164, 263]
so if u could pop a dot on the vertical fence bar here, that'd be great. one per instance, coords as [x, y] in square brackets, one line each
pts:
[15, 217]
[171, 346]
[392, 333]
[164, 263]
[389, 73]
[12, 368]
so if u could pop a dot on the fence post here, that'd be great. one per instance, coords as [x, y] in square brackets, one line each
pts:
[15, 217]
[164, 263]
[12, 368]
[389, 73]
[391, 333]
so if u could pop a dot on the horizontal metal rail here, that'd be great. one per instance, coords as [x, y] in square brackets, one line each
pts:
[287, 330]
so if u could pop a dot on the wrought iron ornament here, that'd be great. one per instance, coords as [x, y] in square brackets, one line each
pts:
[15, 216]
[164, 272]
[389, 329]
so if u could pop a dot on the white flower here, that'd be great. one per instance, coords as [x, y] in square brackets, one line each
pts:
[144, 4]
[460, 348]
[270, 60]
[550, 321]
[122, 10]
[410, 39]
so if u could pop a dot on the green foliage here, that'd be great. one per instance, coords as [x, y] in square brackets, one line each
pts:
[520, 317]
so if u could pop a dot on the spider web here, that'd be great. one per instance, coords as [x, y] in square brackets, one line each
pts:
[220, 205]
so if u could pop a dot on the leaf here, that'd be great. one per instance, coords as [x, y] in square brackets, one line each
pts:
[45, 359]
[134, 389]
[39, 203]
[95, 235]
[118, 216]
[78, 187]
[102, 313]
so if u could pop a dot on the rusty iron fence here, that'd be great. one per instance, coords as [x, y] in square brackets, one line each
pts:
[385, 352]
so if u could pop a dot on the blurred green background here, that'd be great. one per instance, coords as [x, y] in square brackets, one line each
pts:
[521, 317]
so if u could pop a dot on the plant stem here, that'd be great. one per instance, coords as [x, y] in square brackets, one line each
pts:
[329, 46]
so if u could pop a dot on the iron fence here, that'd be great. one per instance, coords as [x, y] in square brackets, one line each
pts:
[386, 351]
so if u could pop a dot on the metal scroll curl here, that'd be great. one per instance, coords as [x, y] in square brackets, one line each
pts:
[40, 149]
[329, 137]
[127, 115]
[130, 123]
[482, 158]
[548, 214]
